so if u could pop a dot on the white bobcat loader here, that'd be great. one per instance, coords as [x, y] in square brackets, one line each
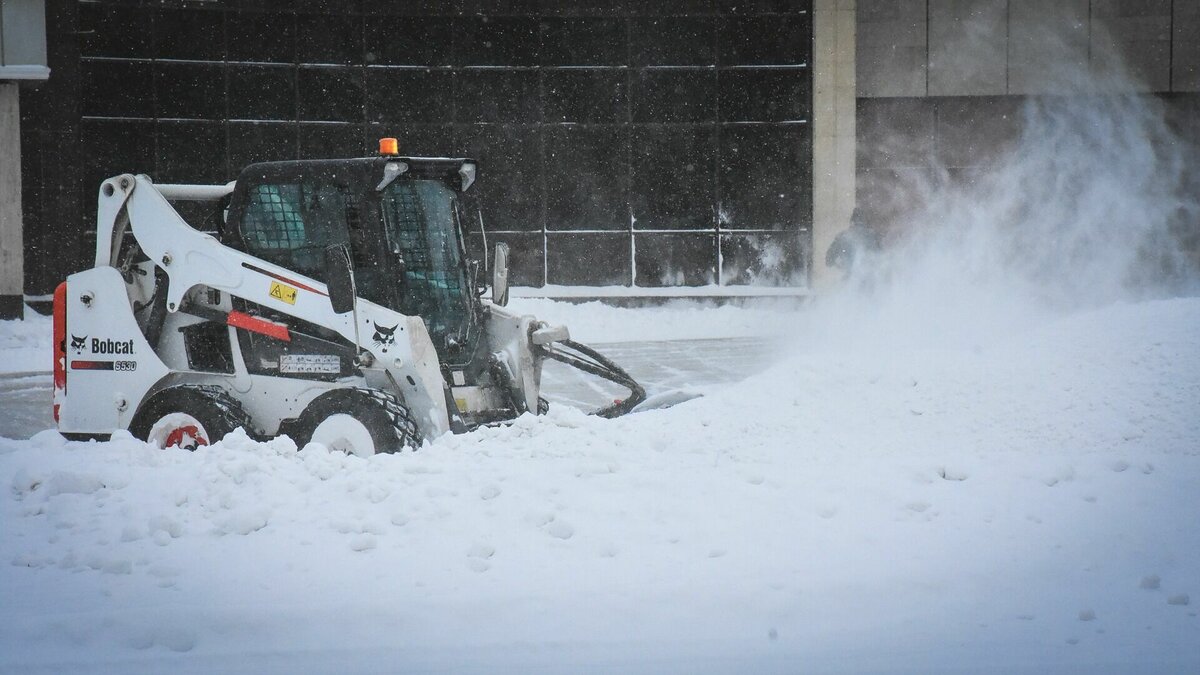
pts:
[334, 302]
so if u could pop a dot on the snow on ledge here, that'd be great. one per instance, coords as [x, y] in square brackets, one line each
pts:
[710, 291]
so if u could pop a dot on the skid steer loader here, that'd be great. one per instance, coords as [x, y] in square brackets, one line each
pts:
[334, 301]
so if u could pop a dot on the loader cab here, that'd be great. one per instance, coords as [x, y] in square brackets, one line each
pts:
[401, 218]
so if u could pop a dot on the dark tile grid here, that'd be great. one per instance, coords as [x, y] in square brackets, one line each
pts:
[598, 137]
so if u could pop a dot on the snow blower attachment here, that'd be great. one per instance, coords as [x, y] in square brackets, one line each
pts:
[329, 300]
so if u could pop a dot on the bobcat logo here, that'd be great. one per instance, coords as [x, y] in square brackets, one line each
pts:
[78, 343]
[384, 336]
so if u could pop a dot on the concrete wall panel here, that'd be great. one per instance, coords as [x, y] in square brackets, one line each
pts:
[993, 47]
[888, 10]
[11, 229]
[892, 51]
[1048, 41]
[23, 33]
[887, 197]
[908, 31]
[896, 133]
[1185, 59]
[1111, 8]
[1139, 35]
[892, 71]
[968, 47]
[1148, 64]
[972, 131]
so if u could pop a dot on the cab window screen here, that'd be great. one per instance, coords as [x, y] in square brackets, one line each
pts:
[290, 224]
[419, 219]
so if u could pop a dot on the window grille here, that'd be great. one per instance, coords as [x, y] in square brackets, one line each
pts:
[418, 216]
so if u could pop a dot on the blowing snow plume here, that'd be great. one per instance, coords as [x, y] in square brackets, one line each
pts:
[1094, 202]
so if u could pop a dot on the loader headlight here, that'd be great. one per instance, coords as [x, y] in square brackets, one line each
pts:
[548, 334]
[391, 171]
[467, 173]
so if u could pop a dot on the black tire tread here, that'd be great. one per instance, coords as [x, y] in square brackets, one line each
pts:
[402, 428]
[403, 424]
[229, 412]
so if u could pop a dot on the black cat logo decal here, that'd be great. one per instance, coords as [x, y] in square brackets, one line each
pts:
[384, 336]
[78, 343]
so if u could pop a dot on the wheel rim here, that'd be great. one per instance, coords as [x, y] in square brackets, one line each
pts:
[343, 433]
[178, 430]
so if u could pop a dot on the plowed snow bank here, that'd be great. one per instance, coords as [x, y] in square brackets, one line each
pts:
[994, 506]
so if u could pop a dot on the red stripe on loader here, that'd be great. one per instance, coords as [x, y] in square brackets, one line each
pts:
[257, 325]
[91, 365]
[60, 346]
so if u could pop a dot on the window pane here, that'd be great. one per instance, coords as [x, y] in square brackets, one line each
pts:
[421, 230]
[290, 224]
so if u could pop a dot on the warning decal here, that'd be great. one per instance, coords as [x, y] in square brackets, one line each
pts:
[283, 292]
[326, 364]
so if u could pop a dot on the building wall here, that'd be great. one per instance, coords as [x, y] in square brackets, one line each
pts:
[941, 83]
[11, 259]
[22, 59]
[918, 48]
[833, 130]
[656, 143]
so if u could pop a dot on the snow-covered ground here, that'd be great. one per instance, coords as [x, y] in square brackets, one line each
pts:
[1019, 503]
[25, 345]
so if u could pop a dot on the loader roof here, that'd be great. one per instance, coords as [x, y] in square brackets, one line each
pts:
[364, 169]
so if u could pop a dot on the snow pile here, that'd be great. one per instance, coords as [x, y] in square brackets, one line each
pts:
[25, 345]
[1016, 505]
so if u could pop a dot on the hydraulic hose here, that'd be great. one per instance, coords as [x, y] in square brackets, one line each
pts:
[590, 361]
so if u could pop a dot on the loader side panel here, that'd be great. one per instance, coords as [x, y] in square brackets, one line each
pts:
[108, 361]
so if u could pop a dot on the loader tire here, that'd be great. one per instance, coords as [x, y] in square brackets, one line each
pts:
[360, 422]
[188, 417]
